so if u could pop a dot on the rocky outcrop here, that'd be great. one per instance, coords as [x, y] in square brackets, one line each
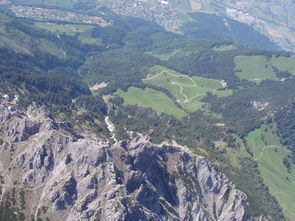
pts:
[86, 178]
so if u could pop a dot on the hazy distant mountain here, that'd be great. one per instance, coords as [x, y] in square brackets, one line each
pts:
[273, 18]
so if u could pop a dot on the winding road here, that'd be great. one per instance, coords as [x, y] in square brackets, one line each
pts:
[180, 85]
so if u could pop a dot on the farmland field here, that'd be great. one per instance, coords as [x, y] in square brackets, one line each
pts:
[261, 137]
[187, 90]
[280, 182]
[69, 29]
[254, 68]
[150, 98]
[86, 38]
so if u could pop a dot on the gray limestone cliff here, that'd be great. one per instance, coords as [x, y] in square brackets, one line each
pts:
[81, 177]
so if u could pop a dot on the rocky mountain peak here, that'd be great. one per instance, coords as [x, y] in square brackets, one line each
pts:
[70, 177]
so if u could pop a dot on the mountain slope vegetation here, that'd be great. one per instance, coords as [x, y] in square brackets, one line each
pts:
[211, 107]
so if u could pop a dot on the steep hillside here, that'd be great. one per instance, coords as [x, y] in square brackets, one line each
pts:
[210, 26]
[48, 171]
[273, 18]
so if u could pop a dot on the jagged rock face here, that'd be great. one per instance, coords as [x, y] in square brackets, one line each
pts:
[86, 178]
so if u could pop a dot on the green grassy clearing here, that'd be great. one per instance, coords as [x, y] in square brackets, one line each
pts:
[261, 137]
[254, 68]
[212, 114]
[223, 93]
[235, 154]
[194, 105]
[166, 56]
[187, 90]
[224, 47]
[284, 64]
[86, 38]
[69, 29]
[165, 80]
[202, 86]
[269, 153]
[150, 98]
[169, 74]
[281, 184]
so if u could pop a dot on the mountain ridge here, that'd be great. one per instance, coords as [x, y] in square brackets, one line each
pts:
[109, 182]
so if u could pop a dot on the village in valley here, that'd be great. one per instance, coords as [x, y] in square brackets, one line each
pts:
[161, 12]
[158, 11]
[44, 14]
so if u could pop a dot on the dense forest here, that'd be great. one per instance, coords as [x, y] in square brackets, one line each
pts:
[238, 112]
[285, 119]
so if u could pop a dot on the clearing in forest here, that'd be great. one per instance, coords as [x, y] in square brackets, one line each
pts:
[69, 29]
[284, 63]
[224, 47]
[280, 182]
[269, 153]
[165, 56]
[187, 90]
[150, 98]
[254, 68]
[83, 32]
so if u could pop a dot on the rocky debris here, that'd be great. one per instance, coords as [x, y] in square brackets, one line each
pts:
[19, 127]
[80, 178]
[98, 86]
